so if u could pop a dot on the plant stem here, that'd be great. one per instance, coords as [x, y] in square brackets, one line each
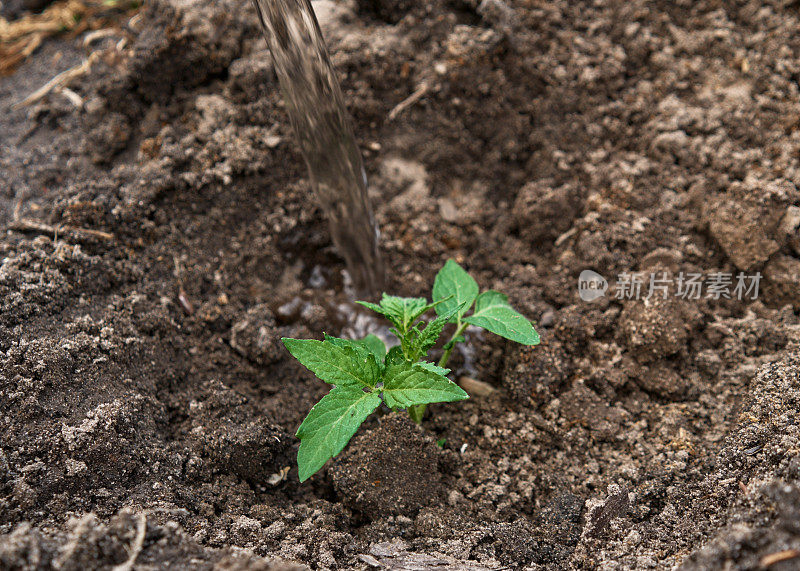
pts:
[416, 412]
[450, 345]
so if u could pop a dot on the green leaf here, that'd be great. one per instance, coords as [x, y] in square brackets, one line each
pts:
[405, 309]
[335, 362]
[395, 356]
[375, 346]
[330, 425]
[433, 368]
[428, 336]
[382, 311]
[401, 311]
[369, 345]
[453, 282]
[374, 307]
[493, 313]
[409, 384]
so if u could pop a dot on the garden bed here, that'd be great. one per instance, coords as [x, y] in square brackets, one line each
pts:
[160, 237]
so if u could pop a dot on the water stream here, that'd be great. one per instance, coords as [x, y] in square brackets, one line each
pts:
[324, 130]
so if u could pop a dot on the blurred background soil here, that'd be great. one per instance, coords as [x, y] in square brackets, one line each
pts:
[159, 236]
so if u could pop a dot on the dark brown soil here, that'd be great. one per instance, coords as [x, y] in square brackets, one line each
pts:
[160, 237]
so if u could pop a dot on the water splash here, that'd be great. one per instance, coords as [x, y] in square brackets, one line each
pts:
[315, 105]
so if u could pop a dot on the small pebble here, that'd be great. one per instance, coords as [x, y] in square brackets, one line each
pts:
[547, 319]
[476, 388]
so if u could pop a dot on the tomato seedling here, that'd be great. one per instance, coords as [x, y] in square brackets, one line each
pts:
[364, 374]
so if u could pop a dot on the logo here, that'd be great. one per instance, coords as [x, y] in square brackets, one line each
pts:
[636, 285]
[591, 285]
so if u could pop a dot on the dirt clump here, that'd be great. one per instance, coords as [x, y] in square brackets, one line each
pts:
[655, 328]
[254, 336]
[542, 213]
[129, 540]
[391, 469]
[235, 438]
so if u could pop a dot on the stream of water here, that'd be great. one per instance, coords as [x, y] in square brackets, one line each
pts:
[324, 130]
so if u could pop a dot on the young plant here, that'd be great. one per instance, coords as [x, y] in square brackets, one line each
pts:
[364, 374]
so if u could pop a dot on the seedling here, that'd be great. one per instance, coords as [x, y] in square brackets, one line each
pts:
[364, 374]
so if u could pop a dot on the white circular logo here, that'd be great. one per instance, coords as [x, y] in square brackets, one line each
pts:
[591, 285]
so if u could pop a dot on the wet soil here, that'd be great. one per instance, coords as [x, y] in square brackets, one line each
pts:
[159, 236]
